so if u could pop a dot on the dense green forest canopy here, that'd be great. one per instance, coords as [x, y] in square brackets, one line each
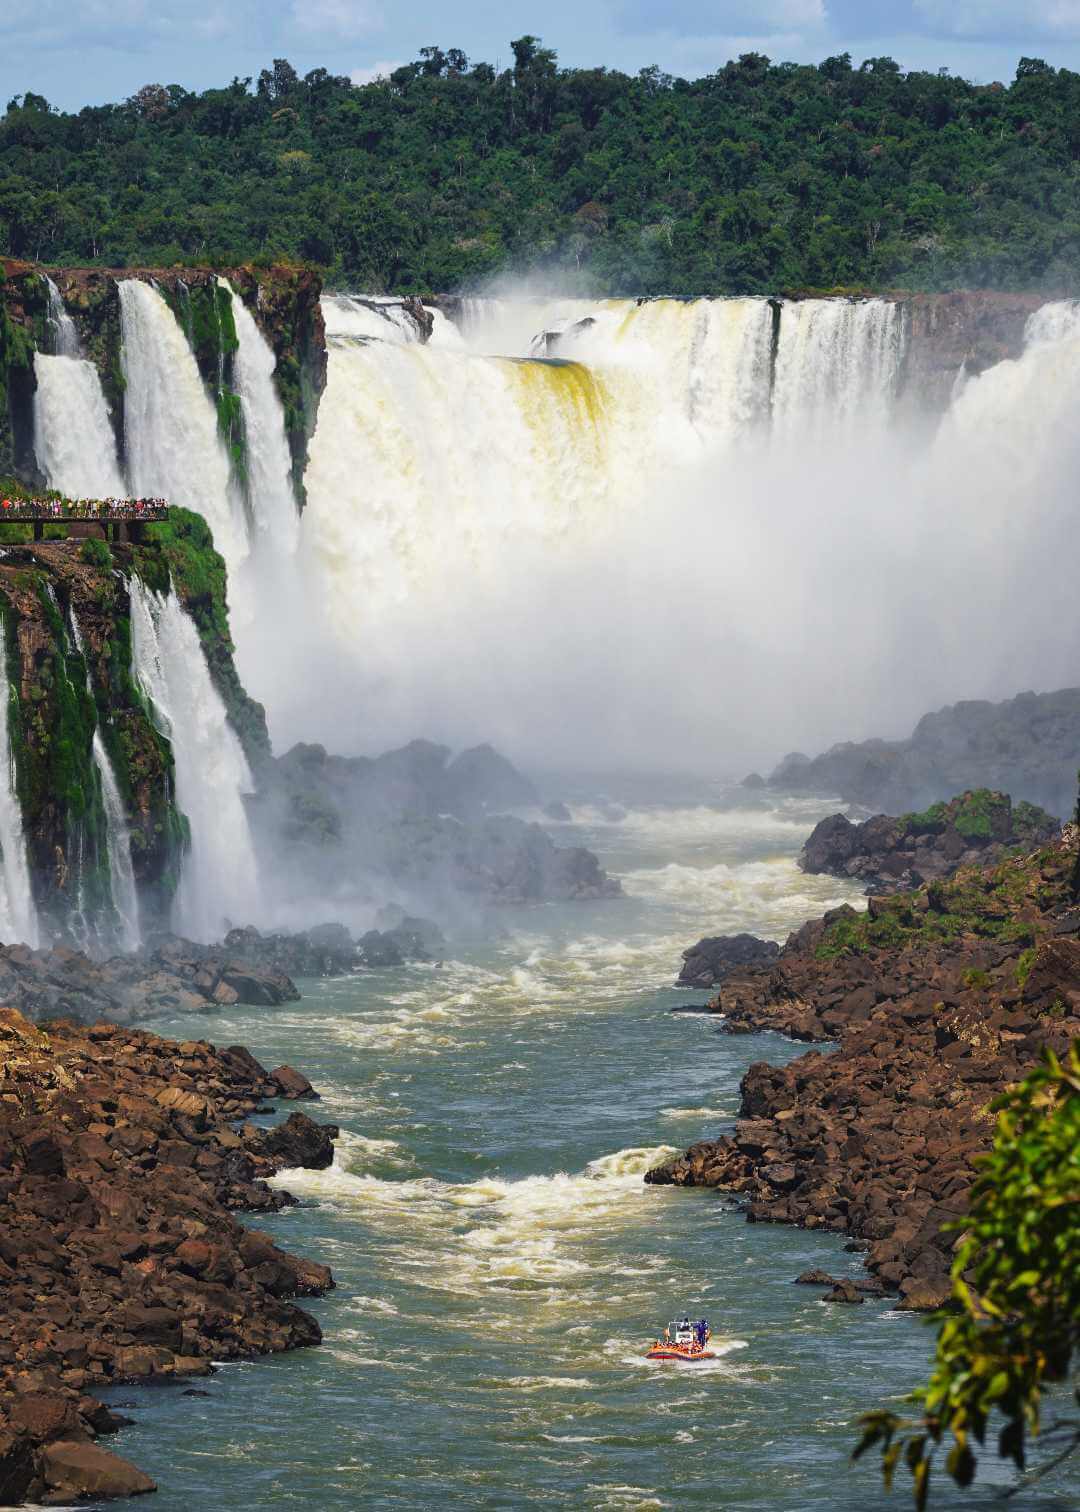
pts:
[757, 177]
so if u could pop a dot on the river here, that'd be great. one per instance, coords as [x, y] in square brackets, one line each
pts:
[500, 1265]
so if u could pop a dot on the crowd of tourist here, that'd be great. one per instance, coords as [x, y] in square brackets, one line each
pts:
[83, 509]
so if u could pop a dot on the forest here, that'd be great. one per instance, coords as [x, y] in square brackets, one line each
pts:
[759, 177]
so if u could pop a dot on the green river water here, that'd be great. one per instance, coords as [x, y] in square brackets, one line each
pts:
[500, 1265]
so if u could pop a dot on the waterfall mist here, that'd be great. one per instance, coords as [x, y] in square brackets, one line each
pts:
[605, 561]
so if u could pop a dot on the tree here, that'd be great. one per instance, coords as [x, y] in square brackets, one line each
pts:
[1015, 1328]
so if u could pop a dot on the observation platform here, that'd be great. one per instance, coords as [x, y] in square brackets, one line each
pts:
[108, 519]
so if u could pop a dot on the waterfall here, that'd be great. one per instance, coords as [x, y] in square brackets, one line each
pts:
[837, 363]
[427, 459]
[73, 436]
[174, 449]
[275, 516]
[18, 916]
[118, 840]
[218, 884]
[65, 336]
[700, 367]
[124, 892]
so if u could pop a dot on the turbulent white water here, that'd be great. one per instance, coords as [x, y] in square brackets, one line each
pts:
[174, 449]
[219, 883]
[643, 547]
[73, 436]
[18, 916]
[837, 363]
[65, 336]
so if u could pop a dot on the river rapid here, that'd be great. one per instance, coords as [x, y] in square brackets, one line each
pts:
[500, 1265]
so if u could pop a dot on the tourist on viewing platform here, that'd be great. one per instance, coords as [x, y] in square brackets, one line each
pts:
[85, 509]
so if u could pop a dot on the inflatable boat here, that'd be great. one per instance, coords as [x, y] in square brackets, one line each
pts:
[684, 1341]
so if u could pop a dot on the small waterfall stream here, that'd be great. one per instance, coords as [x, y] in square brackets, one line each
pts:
[18, 916]
[274, 514]
[65, 337]
[219, 882]
[125, 895]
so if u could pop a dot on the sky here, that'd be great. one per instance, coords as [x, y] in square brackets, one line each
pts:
[79, 52]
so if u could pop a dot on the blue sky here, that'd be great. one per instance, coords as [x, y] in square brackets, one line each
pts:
[78, 52]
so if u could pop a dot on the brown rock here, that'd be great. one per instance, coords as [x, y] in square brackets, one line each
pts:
[85, 1472]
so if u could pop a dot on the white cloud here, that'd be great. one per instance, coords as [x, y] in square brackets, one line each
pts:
[336, 18]
[761, 18]
[1057, 19]
[374, 71]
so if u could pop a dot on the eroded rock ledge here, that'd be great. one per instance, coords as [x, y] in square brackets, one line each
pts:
[121, 1167]
[938, 998]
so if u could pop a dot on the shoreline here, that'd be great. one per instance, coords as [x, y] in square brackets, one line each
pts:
[938, 999]
[120, 1259]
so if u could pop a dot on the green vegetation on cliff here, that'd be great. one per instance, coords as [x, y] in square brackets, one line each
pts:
[180, 552]
[205, 313]
[64, 686]
[759, 176]
[989, 903]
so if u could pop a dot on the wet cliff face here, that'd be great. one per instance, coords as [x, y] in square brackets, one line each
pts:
[61, 691]
[283, 299]
[969, 329]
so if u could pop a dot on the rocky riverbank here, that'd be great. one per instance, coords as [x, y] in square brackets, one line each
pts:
[937, 999]
[972, 829]
[121, 1167]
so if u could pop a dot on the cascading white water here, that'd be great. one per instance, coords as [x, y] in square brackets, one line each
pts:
[275, 516]
[73, 436]
[219, 882]
[837, 362]
[698, 368]
[174, 449]
[426, 460]
[18, 915]
[118, 840]
[125, 894]
[65, 336]
[551, 580]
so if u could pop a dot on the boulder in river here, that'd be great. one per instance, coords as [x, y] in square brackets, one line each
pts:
[707, 963]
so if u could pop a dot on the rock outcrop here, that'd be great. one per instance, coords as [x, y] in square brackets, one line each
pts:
[416, 825]
[121, 1170]
[713, 959]
[1025, 746]
[886, 854]
[938, 999]
[176, 976]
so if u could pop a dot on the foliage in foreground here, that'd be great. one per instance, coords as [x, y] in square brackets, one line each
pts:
[1015, 1331]
[759, 177]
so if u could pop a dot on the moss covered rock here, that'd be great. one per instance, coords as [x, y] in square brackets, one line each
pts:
[63, 687]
